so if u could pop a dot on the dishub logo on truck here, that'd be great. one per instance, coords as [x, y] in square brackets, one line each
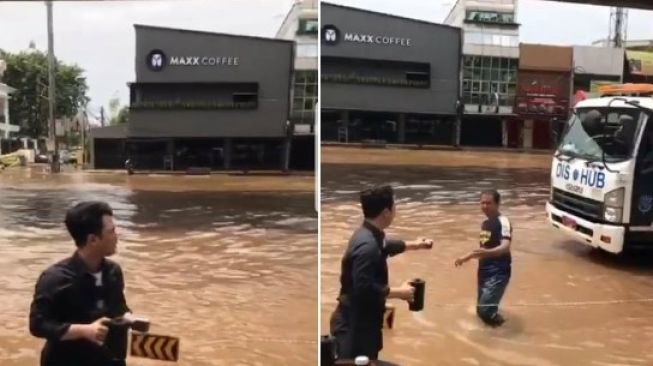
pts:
[583, 176]
[157, 60]
[332, 36]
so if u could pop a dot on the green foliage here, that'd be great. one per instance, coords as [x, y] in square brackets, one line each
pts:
[27, 72]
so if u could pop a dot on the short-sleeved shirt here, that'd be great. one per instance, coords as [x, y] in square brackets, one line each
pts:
[493, 230]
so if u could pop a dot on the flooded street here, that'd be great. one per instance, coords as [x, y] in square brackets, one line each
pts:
[225, 263]
[548, 323]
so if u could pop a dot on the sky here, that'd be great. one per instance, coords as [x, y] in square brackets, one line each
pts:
[99, 36]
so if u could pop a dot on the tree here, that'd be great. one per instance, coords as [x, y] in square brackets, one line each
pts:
[117, 115]
[114, 109]
[122, 116]
[27, 72]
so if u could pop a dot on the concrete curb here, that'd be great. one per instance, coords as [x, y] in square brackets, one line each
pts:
[437, 148]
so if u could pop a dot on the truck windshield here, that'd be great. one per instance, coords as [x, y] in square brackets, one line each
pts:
[613, 135]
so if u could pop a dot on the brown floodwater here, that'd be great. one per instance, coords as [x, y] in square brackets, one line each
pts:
[557, 304]
[227, 263]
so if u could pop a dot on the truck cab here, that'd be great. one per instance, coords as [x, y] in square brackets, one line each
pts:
[602, 171]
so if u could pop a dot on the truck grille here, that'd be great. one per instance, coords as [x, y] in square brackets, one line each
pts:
[582, 207]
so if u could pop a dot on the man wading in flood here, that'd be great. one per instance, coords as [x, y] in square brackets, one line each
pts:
[75, 297]
[358, 319]
[494, 259]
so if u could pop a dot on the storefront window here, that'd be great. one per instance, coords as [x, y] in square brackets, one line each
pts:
[491, 39]
[308, 26]
[305, 97]
[421, 129]
[492, 17]
[307, 50]
[256, 154]
[487, 77]
[199, 152]
[375, 72]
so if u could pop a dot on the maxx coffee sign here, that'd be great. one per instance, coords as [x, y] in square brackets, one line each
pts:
[158, 60]
[332, 35]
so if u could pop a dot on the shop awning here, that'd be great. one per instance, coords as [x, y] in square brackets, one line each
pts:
[109, 132]
[537, 57]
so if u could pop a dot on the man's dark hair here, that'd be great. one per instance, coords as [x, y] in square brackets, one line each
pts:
[375, 200]
[496, 197]
[85, 218]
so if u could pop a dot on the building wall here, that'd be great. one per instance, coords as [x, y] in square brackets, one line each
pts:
[306, 41]
[436, 46]
[598, 60]
[301, 26]
[488, 39]
[267, 62]
[6, 128]
[544, 92]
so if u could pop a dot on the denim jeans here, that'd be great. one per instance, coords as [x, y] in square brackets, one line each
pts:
[492, 284]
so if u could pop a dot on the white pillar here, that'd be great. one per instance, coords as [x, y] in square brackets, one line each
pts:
[504, 133]
[5, 112]
[528, 134]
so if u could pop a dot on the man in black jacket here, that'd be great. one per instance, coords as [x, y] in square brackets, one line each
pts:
[75, 298]
[358, 320]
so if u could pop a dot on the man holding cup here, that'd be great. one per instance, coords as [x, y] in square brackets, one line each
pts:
[357, 321]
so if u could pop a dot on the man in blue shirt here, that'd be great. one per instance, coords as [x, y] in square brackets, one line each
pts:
[494, 259]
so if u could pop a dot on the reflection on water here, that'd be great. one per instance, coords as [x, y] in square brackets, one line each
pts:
[437, 195]
[232, 274]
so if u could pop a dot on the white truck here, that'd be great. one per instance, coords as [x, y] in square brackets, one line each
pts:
[602, 171]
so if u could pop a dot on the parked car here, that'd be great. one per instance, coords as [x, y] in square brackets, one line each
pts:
[41, 158]
[67, 157]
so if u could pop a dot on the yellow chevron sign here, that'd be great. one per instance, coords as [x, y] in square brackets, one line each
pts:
[156, 347]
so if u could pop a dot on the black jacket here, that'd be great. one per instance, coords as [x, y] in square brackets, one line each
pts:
[66, 293]
[364, 289]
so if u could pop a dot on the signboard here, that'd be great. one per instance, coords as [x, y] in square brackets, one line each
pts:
[640, 63]
[331, 36]
[596, 84]
[157, 60]
[543, 94]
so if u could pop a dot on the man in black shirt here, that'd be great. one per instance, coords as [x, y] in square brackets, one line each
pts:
[494, 259]
[358, 320]
[75, 298]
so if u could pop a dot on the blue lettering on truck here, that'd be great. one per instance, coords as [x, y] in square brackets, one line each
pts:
[587, 177]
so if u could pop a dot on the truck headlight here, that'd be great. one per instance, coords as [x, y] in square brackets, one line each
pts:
[615, 198]
[612, 214]
[614, 203]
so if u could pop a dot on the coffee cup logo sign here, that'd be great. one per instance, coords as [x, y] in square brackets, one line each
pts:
[157, 60]
[331, 35]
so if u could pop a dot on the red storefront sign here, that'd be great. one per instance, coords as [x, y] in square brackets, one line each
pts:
[543, 94]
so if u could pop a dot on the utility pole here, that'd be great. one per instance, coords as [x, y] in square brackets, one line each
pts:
[618, 27]
[55, 167]
[102, 116]
[83, 137]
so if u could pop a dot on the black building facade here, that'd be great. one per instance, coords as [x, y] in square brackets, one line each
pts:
[386, 78]
[206, 100]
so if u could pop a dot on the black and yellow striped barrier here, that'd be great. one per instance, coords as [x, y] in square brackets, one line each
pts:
[154, 346]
